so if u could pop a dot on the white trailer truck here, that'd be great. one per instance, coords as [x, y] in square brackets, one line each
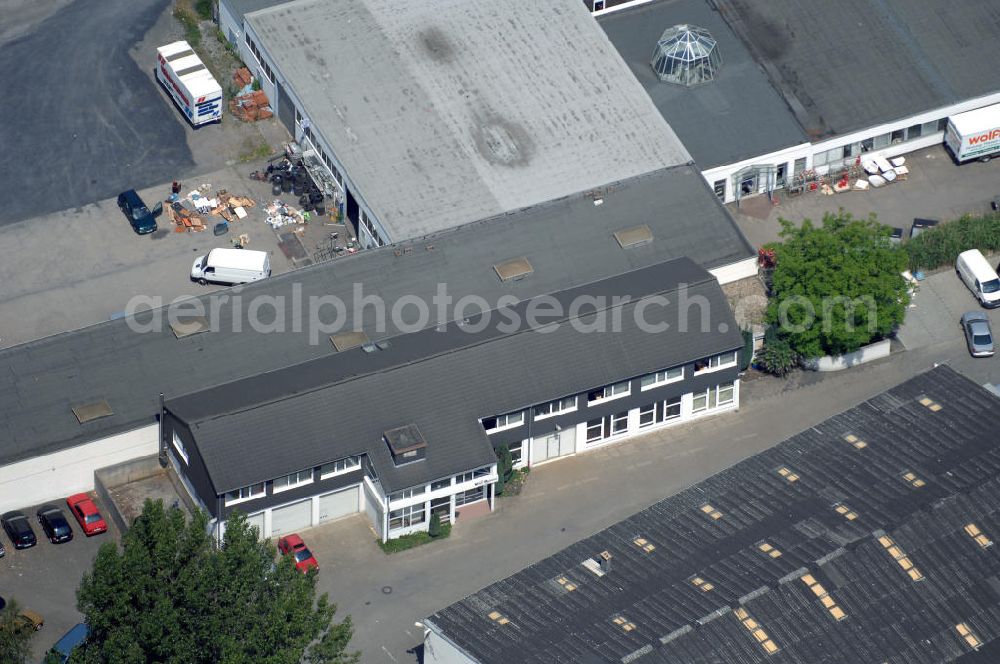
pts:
[189, 83]
[231, 266]
[974, 134]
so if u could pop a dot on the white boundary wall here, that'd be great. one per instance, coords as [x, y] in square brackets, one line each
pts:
[60, 474]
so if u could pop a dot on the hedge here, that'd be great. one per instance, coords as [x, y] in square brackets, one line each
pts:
[413, 539]
[942, 244]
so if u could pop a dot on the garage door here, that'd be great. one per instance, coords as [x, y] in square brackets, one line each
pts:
[340, 503]
[292, 517]
[257, 521]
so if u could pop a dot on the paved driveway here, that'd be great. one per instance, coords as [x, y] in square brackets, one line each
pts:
[934, 313]
[45, 577]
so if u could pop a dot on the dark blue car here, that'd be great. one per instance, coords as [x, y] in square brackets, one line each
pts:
[70, 641]
[142, 219]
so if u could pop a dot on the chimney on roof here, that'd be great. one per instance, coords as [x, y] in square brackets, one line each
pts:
[605, 561]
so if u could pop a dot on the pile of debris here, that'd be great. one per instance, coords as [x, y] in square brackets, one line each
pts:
[249, 105]
[232, 208]
[281, 214]
[188, 213]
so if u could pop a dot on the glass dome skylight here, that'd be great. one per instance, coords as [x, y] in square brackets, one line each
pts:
[686, 55]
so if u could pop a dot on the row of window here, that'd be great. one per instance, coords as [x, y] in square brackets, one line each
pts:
[370, 227]
[624, 388]
[414, 515]
[293, 480]
[264, 67]
[837, 156]
[440, 484]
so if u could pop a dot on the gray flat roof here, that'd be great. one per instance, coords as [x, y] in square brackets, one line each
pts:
[444, 381]
[737, 116]
[858, 63]
[887, 615]
[240, 8]
[569, 242]
[446, 112]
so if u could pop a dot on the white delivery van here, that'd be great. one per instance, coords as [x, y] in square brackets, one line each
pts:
[190, 84]
[981, 279]
[231, 266]
[974, 134]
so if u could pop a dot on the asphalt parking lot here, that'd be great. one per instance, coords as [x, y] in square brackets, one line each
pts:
[45, 577]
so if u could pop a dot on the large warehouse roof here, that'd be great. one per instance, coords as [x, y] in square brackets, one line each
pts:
[568, 242]
[450, 111]
[868, 538]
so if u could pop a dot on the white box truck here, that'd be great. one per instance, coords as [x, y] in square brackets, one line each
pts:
[974, 134]
[189, 83]
[231, 267]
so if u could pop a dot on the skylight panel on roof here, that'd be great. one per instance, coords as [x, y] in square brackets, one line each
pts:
[644, 544]
[855, 441]
[930, 404]
[845, 511]
[624, 623]
[566, 583]
[912, 479]
[516, 268]
[498, 618]
[970, 639]
[973, 531]
[189, 326]
[701, 584]
[634, 237]
[347, 340]
[711, 511]
[92, 411]
[900, 557]
[788, 474]
[824, 597]
[756, 631]
[768, 550]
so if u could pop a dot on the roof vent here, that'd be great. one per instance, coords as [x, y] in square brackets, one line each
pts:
[516, 268]
[92, 411]
[686, 55]
[189, 326]
[382, 345]
[347, 340]
[369, 347]
[634, 237]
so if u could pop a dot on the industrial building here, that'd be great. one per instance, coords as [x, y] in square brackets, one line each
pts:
[867, 538]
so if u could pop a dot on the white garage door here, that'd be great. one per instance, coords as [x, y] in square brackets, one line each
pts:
[257, 521]
[292, 517]
[337, 504]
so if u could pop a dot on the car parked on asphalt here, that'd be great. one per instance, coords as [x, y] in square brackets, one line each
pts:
[86, 513]
[292, 545]
[54, 524]
[142, 219]
[27, 617]
[69, 642]
[978, 335]
[18, 529]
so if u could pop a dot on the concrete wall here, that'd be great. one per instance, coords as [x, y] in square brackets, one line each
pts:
[875, 351]
[727, 274]
[70, 471]
[123, 473]
[438, 649]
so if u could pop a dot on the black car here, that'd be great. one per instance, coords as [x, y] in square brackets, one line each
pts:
[143, 221]
[54, 524]
[18, 530]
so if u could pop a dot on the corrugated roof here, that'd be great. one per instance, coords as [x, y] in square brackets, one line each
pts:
[444, 381]
[449, 111]
[569, 242]
[841, 590]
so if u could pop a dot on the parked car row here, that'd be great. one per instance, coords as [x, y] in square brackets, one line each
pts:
[980, 278]
[53, 523]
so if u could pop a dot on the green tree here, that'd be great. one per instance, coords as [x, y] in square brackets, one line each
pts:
[15, 635]
[838, 286]
[505, 465]
[747, 358]
[434, 527]
[171, 595]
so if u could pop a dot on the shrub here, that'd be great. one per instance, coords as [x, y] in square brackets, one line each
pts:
[747, 349]
[204, 8]
[434, 527]
[942, 244]
[777, 357]
[413, 539]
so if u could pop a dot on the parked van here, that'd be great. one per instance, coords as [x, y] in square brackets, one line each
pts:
[980, 278]
[231, 266]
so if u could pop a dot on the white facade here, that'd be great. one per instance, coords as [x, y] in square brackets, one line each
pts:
[439, 649]
[63, 473]
[888, 140]
[743, 269]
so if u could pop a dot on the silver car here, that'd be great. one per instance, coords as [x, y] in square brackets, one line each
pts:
[978, 335]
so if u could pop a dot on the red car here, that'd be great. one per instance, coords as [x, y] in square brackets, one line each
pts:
[85, 511]
[294, 546]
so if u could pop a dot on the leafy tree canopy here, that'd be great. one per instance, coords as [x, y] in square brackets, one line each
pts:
[15, 635]
[169, 594]
[838, 286]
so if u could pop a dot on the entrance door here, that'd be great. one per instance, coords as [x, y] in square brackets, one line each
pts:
[779, 177]
[286, 110]
[292, 517]
[554, 445]
[442, 507]
[338, 504]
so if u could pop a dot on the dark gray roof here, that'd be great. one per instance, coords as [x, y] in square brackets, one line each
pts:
[444, 381]
[858, 63]
[889, 616]
[737, 116]
[568, 242]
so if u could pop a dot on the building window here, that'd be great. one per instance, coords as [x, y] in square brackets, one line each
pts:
[661, 411]
[647, 415]
[245, 493]
[406, 517]
[800, 165]
[468, 477]
[662, 378]
[928, 128]
[501, 422]
[716, 362]
[913, 132]
[942, 124]
[407, 493]
[339, 466]
[720, 189]
[470, 496]
[867, 144]
[882, 141]
[516, 452]
[556, 407]
[619, 423]
[293, 480]
[610, 391]
[595, 430]
[672, 408]
[898, 136]
[440, 484]
[179, 446]
[713, 397]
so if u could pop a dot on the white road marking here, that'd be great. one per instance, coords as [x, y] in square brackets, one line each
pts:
[389, 654]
